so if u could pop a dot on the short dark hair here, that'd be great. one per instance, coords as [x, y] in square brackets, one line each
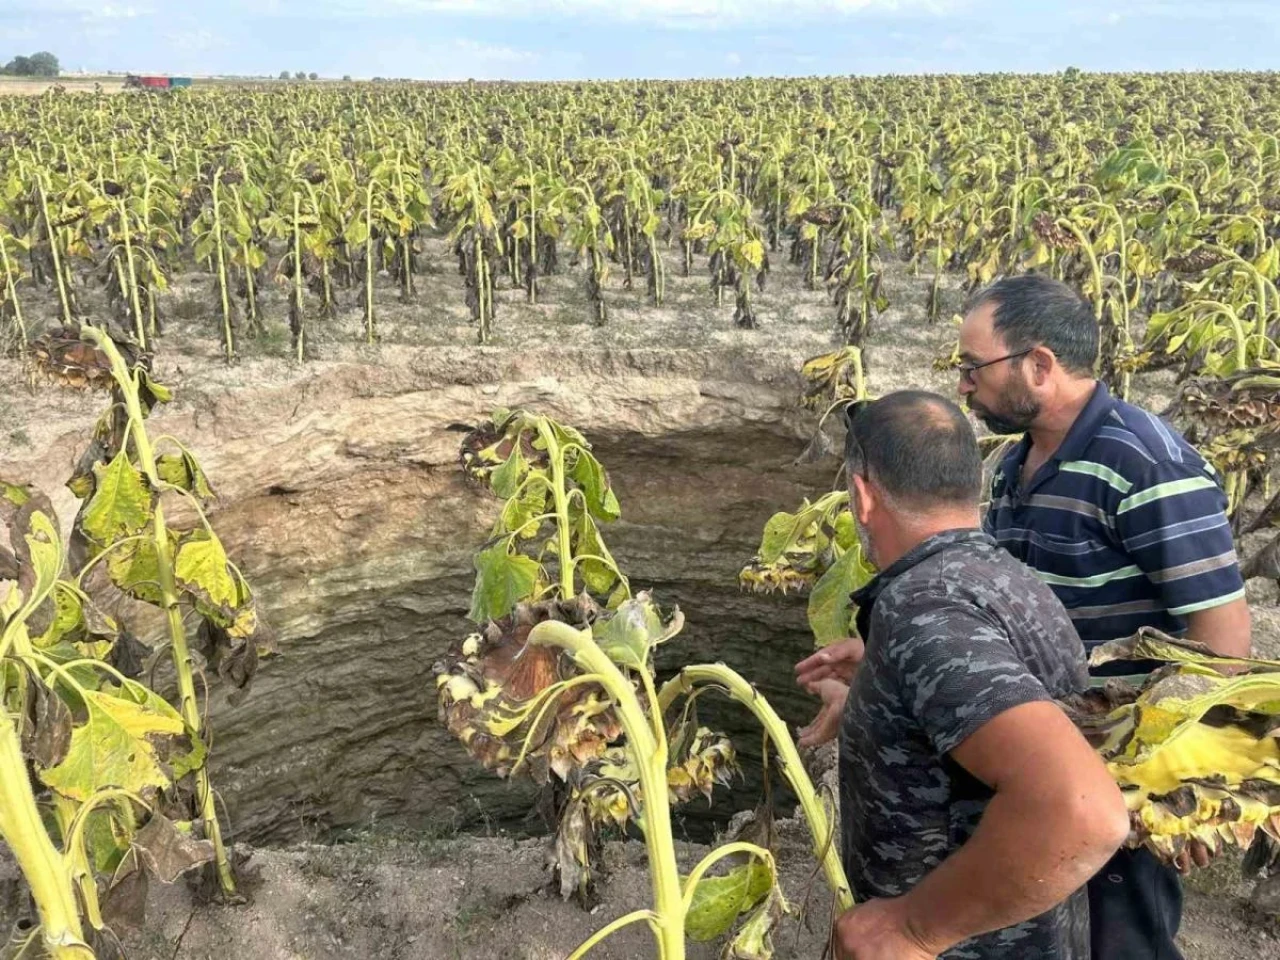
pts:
[916, 446]
[1034, 310]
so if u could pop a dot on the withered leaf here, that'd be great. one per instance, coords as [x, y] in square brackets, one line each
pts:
[167, 852]
[128, 655]
[46, 736]
[124, 905]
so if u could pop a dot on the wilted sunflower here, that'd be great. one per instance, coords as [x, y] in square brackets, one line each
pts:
[1195, 750]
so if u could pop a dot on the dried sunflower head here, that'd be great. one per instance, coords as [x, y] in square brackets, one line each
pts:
[1194, 751]
[493, 688]
[1195, 261]
[1051, 233]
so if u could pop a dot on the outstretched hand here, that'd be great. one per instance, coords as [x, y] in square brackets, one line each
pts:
[826, 724]
[839, 661]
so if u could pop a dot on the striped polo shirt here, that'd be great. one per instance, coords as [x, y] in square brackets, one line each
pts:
[1126, 522]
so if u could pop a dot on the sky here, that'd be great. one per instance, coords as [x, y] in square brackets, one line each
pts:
[610, 39]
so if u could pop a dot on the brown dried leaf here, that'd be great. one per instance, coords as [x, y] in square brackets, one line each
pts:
[166, 852]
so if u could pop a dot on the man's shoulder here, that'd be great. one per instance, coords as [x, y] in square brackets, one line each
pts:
[973, 578]
[1131, 442]
[979, 565]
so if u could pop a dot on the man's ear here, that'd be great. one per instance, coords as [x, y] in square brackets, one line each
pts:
[1043, 360]
[861, 499]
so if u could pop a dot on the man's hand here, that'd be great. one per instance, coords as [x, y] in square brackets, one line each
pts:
[826, 724]
[877, 930]
[839, 661]
[1194, 854]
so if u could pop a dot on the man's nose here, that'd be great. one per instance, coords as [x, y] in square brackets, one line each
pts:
[964, 387]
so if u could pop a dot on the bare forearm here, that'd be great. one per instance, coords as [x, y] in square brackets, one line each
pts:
[1022, 860]
[1225, 630]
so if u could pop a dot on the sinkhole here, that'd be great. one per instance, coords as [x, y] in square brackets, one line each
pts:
[342, 500]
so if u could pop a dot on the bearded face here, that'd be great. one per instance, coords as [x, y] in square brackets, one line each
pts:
[1013, 410]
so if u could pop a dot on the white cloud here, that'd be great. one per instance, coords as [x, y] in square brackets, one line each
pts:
[487, 53]
[672, 13]
[733, 59]
[195, 41]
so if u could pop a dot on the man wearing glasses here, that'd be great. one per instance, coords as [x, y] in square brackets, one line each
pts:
[1118, 514]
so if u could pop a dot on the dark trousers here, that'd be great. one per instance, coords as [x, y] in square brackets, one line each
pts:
[1135, 908]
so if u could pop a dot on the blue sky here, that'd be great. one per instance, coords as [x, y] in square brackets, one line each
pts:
[561, 39]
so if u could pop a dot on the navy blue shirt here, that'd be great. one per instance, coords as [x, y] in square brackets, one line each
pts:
[1126, 522]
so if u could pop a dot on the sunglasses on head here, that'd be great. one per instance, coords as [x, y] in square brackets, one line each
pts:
[851, 412]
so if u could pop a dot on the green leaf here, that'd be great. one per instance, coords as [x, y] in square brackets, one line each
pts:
[201, 569]
[121, 504]
[122, 743]
[629, 636]
[719, 901]
[182, 470]
[157, 390]
[503, 579]
[357, 232]
[779, 531]
[830, 608]
[67, 618]
[754, 940]
[598, 577]
[506, 479]
[1269, 263]
[590, 476]
[135, 569]
[16, 495]
[519, 512]
[204, 248]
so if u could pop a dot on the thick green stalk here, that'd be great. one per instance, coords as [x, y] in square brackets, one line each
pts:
[165, 579]
[297, 277]
[228, 341]
[533, 237]
[370, 334]
[52, 233]
[12, 288]
[45, 869]
[648, 748]
[560, 498]
[132, 271]
[815, 813]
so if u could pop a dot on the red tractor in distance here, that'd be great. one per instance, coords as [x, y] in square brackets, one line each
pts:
[156, 83]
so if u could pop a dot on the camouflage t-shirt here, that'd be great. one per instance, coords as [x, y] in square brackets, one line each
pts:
[957, 632]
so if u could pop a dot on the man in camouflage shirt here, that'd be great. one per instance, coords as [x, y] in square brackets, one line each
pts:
[972, 812]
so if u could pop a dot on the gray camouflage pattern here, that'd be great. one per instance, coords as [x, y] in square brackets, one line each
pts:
[956, 632]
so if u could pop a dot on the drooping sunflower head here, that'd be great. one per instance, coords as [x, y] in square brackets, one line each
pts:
[504, 697]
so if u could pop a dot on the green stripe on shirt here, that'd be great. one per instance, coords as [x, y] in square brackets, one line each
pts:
[1112, 479]
[1206, 604]
[1161, 490]
[1097, 580]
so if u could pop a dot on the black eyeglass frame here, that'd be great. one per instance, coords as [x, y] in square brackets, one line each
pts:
[967, 370]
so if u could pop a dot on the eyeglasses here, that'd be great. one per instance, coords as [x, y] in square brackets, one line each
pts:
[967, 370]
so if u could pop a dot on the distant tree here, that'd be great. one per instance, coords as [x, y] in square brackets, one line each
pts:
[42, 64]
[313, 75]
[45, 64]
[300, 75]
[284, 74]
[346, 78]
